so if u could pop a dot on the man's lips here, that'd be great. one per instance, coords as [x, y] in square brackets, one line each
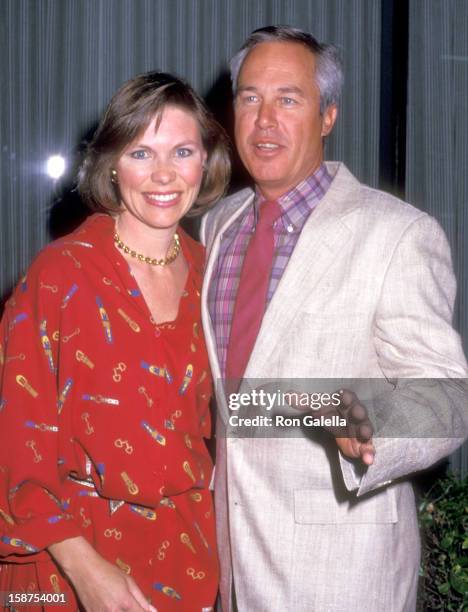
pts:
[266, 148]
[267, 145]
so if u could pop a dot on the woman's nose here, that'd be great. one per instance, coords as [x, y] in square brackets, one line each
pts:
[162, 172]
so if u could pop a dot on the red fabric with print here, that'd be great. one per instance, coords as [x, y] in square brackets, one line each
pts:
[102, 419]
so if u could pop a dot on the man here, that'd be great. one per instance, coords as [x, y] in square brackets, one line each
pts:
[360, 285]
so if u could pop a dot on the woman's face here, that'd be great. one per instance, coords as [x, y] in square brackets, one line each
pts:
[160, 173]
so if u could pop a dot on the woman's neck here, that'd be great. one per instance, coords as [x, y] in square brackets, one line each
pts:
[144, 239]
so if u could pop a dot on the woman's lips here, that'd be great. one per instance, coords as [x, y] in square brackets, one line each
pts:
[163, 200]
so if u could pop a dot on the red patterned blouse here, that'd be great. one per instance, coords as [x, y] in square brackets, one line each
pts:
[102, 419]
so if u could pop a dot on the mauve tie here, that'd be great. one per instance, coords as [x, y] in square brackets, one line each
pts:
[252, 292]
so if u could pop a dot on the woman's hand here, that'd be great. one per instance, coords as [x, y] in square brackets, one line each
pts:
[100, 586]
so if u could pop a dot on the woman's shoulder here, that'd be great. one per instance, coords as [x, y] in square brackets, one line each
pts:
[63, 265]
[87, 236]
[64, 256]
[195, 249]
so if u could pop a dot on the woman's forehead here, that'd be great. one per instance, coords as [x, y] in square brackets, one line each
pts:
[171, 119]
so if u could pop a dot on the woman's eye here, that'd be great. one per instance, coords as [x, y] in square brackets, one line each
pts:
[183, 152]
[139, 154]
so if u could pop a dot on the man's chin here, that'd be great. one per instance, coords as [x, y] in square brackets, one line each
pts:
[266, 174]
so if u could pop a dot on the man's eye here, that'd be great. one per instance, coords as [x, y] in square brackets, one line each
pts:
[183, 152]
[249, 99]
[288, 101]
[139, 154]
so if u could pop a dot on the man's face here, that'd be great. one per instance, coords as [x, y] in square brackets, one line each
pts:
[278, 125]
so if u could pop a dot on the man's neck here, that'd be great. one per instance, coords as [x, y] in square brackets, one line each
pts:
[266, 194]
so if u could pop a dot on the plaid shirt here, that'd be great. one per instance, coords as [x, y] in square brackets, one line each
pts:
[296, 205]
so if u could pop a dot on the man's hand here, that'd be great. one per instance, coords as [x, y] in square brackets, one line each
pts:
[358, 443]
[355, 438]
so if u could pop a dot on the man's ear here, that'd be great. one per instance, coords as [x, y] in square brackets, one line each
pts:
[328, 119]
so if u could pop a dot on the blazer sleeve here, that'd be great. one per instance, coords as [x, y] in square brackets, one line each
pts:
[425, 416]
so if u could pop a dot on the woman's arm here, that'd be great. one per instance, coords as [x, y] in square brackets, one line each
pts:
[98, 584]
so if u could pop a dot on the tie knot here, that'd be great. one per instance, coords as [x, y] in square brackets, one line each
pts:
[268, 213]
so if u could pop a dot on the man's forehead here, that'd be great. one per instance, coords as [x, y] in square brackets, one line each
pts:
[284, 63]
[278, 51]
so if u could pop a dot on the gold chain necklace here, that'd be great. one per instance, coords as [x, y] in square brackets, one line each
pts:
[173, 252]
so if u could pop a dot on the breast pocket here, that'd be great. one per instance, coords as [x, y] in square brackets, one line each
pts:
[340, 341]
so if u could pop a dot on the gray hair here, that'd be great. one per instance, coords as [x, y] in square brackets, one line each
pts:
[328, 70]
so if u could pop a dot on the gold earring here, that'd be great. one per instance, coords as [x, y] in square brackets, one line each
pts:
[114, 176]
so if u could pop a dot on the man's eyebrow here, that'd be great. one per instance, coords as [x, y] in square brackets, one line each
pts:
[291, 89]
[286, 89]
[246, 88]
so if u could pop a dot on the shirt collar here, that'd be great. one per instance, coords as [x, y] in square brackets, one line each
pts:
[298, 202]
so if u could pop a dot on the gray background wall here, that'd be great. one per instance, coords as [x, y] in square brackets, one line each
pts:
[61, 60]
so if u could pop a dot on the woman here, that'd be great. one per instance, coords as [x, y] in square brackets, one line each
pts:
[104, 404]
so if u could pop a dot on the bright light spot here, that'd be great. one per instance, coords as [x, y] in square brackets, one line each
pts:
[55, 166]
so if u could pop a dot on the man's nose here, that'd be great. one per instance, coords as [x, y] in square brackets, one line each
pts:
[266, 117]
[162, 172]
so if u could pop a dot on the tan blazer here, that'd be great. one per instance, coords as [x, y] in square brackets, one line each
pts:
[368, 292]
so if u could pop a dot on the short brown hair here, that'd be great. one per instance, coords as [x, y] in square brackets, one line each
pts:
[128, 114]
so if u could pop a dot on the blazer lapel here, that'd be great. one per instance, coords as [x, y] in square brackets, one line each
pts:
[323, 235]
[213, 250]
